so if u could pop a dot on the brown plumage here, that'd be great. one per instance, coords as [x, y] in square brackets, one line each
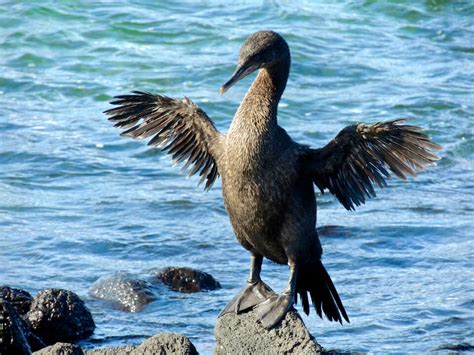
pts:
[267, 178]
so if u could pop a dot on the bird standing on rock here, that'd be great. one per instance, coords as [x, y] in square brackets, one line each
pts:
[267, 178]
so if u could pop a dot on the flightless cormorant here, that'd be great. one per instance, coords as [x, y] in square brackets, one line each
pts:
[267, 178]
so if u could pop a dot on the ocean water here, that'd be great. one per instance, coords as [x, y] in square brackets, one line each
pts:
[78, 202]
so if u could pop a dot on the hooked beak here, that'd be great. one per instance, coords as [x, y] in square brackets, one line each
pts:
[241, 72]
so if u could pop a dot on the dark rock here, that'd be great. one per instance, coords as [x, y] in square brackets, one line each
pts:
[59, 315]
[243, 334]
[19, 299]
[127, 293]
[187, 280]
[60, 349]
[13, 339]
[167, 343]
[456, 347]
[36, 343]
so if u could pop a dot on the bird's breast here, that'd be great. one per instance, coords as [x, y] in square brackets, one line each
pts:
[255, 188]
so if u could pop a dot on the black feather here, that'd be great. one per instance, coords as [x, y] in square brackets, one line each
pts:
[185, 130]
[362, 155]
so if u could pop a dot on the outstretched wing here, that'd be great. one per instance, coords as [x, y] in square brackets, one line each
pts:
[180, 128]
[361, 156]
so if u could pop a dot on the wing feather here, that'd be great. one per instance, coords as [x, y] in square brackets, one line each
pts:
[179, 127]
[363, 155]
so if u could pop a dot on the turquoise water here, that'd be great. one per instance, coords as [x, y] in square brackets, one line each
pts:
[78, 202]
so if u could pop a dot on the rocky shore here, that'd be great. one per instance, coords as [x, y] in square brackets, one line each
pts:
[54, 320]
[53, 315]
[164, 343]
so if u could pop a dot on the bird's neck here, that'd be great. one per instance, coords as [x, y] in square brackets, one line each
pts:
[258, 111]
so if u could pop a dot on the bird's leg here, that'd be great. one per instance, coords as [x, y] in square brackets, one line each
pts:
[253, 293]
[274, 309]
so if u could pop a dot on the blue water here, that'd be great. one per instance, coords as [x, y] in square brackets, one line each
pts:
[78, 202]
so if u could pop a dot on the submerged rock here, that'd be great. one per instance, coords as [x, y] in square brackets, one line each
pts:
[127, 293]
[456, 347]
[19, 299]
[60, 349]
[187, 280]
[13, 339]
[243, 334]
[59, 315]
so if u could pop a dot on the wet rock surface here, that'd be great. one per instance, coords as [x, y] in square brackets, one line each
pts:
[19, 299]
[61, 349]
[36, 343]
[13, 339]
[244, 334]
[59, 315]
[124, 291]
[187, 280]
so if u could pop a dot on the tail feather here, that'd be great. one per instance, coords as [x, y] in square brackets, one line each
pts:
[305, 302]
[315, 280]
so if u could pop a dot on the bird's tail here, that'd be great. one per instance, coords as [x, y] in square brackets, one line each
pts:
[314, 279]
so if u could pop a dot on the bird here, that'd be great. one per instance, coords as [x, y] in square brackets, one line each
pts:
[268, 179]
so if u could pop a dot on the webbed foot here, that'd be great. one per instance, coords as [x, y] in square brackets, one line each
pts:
[272, 311]
[251, 295]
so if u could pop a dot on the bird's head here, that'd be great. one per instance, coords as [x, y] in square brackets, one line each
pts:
[262, 49]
